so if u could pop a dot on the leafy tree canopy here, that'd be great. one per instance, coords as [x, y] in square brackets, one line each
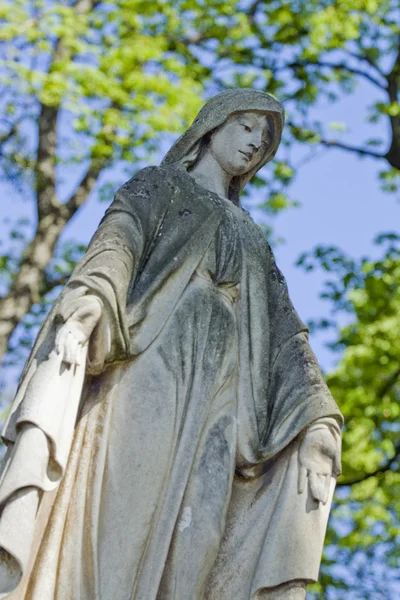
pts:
[91, 89]
[366, 384]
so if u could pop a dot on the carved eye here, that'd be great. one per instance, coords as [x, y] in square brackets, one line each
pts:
[247, 128]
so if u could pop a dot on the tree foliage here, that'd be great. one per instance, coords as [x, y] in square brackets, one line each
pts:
[92, 89]
[366, 384]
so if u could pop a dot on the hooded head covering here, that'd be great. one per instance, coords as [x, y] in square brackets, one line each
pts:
[214, 113]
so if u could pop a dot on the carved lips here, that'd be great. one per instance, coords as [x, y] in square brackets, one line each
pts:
[248, 155]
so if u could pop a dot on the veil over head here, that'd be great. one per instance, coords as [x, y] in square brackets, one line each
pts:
[214, 113]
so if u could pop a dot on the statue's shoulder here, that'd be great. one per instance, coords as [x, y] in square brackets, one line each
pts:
[163, 183]
[154, 176]
[148, 184]
[163, 187]
[143, 178]
[153, 190]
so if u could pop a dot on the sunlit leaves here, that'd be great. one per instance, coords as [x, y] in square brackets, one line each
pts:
[366, 384]
[114, 68]
[122, 73]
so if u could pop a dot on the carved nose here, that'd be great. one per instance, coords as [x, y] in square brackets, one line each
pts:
[257, 138]
[255, 146]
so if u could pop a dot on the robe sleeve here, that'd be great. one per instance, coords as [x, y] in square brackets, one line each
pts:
[297, 393]
[110, 266]
[114, 257]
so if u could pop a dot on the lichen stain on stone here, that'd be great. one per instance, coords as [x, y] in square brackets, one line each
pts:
[186, 519]
[185, 212]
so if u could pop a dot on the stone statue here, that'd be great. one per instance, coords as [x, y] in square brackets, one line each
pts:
[172, 437]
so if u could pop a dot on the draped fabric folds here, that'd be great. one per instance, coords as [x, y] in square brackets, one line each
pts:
[177, 436]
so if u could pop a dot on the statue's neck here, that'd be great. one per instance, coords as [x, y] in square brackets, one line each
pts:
[209, 173]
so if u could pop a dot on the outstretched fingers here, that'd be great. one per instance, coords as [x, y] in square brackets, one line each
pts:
[315, 487]
[302, 479]
[327, 488]
[68, 345]
[320, 484]
[71, 349]
[60, 341]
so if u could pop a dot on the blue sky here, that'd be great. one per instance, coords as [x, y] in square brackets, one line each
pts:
[342, 205]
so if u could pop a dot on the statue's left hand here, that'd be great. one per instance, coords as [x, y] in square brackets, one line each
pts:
[319, 460]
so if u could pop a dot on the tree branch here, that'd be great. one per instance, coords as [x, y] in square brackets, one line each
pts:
[339, 67]
[13, 130]
[84, 188]
[365, 58]
[257, 30]
[380, 470]
[389, 383]
[85, 6]
[30, 280]
[50, 284]
[46, 194]
[5, 137]
[251, 11]
[354, 149]
[393, 79]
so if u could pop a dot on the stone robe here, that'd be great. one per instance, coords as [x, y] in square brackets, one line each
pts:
[181, 479]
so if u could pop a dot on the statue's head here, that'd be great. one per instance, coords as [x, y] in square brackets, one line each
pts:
[241, 127]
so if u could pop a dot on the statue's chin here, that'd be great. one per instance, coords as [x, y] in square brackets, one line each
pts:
[237, 170]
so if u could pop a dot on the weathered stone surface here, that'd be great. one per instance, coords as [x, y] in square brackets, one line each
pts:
[172, 437]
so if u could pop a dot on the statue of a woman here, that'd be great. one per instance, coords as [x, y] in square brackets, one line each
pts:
[172, 437]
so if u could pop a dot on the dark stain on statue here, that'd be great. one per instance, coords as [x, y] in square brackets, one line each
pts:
[185, 212]
[216, 458]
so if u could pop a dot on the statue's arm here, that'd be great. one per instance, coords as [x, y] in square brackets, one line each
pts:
[93, 304]
[300, 401]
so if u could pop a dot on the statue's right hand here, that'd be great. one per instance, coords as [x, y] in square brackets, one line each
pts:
[76, 330]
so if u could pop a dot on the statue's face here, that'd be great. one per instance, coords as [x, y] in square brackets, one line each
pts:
[240, 143]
